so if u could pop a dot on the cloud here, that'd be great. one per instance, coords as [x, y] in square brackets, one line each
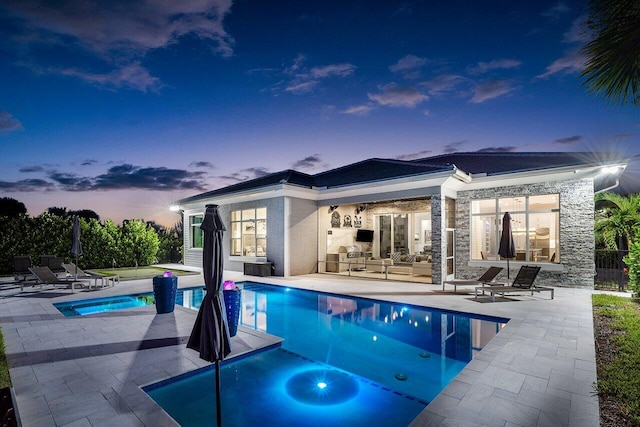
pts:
[9, 123]
[414, 156]
[118, 32]
[133, 76]
[299, 88]
[127, 177]
[358, 110]
[556, 11]
[573, 62]
[392, 95]
[454, 146]
[26, 185]
[302, 79]
[568, 140]
[507, 149]
[88, 162]
[490, 89]
[202, 165]
[485, 67]
[244, 175]
[151, 178]
[408, 63]
[335, 70]
[308, 163]
[31, 169]
[579, 31]
[442, 83]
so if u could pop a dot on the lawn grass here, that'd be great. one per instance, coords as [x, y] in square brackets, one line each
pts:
[620, 378]
[5, 380]
[146, 272]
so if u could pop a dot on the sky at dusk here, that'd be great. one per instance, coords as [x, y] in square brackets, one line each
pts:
[124, 107]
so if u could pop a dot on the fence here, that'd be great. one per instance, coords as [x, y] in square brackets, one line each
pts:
[611, 271]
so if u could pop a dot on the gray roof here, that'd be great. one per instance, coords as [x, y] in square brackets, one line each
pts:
[371, 170]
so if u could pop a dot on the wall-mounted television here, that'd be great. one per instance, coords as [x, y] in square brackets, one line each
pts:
[364, 235]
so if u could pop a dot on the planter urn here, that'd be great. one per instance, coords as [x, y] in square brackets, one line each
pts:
[164, 291]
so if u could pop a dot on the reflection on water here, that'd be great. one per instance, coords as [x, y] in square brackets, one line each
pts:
[411, 349]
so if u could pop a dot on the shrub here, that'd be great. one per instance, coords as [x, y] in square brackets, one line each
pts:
[633, 263]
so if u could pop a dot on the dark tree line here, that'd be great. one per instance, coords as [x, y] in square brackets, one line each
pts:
[104, 243]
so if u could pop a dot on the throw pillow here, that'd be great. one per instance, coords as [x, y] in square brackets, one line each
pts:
[411, 258]
[396, 257]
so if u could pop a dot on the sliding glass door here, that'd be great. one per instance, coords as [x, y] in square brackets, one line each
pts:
[393, 234]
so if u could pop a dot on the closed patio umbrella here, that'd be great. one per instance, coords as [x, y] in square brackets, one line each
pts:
[210, 335]
[507, 248]
[76, 244]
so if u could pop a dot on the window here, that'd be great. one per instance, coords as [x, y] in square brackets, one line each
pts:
[249, 232]
[535, 222]
[195, 231]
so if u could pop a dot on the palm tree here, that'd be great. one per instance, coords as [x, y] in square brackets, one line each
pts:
[616, 218]
[613, 57]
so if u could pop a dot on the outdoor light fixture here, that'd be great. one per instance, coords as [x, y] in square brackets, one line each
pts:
[174, 208]
[610, 170]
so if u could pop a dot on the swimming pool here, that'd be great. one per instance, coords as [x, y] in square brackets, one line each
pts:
[343, 360]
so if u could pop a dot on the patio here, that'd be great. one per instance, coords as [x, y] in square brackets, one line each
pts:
[538, 371]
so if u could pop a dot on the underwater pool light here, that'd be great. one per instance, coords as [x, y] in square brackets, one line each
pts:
[312, 387]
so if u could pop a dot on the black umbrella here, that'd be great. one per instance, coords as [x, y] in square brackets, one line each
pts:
[76, 244]
[507, 247]
[210, 335]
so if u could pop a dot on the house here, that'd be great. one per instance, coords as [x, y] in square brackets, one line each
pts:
[434, 218]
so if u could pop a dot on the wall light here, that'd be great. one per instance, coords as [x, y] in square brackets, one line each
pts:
[174, 208]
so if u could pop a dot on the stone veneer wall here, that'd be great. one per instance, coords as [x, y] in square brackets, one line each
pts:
[438, 244]
[577, 241]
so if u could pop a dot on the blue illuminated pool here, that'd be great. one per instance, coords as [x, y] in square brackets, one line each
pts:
[343, 361]
[189, 297]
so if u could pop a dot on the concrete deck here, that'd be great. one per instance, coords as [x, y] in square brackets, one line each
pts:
[87, 371]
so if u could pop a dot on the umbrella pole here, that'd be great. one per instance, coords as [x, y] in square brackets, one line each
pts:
[218, 404]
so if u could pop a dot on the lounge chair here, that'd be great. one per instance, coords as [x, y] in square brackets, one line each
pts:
[44, 276]
[53, 262]
[524, 282]
[483, 280]
[21, 264]
[75, 273]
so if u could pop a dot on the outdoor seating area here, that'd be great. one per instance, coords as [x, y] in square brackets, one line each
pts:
[524, 282]
[52, 270]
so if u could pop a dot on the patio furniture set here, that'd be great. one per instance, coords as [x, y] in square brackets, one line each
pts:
[523, 282]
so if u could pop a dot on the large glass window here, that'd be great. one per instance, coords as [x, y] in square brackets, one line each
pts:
[195, 231]
[535, 222]
[249, 232]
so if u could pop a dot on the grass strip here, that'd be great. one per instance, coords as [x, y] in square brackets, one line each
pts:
[5, 380]
[140, 272]
[620, 379]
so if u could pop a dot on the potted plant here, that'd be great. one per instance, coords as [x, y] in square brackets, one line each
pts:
[232, 294]
[164, 291]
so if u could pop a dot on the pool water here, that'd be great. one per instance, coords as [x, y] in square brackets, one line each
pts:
[189, 298]
[382, 362]
[101, 305]
[280, 388]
